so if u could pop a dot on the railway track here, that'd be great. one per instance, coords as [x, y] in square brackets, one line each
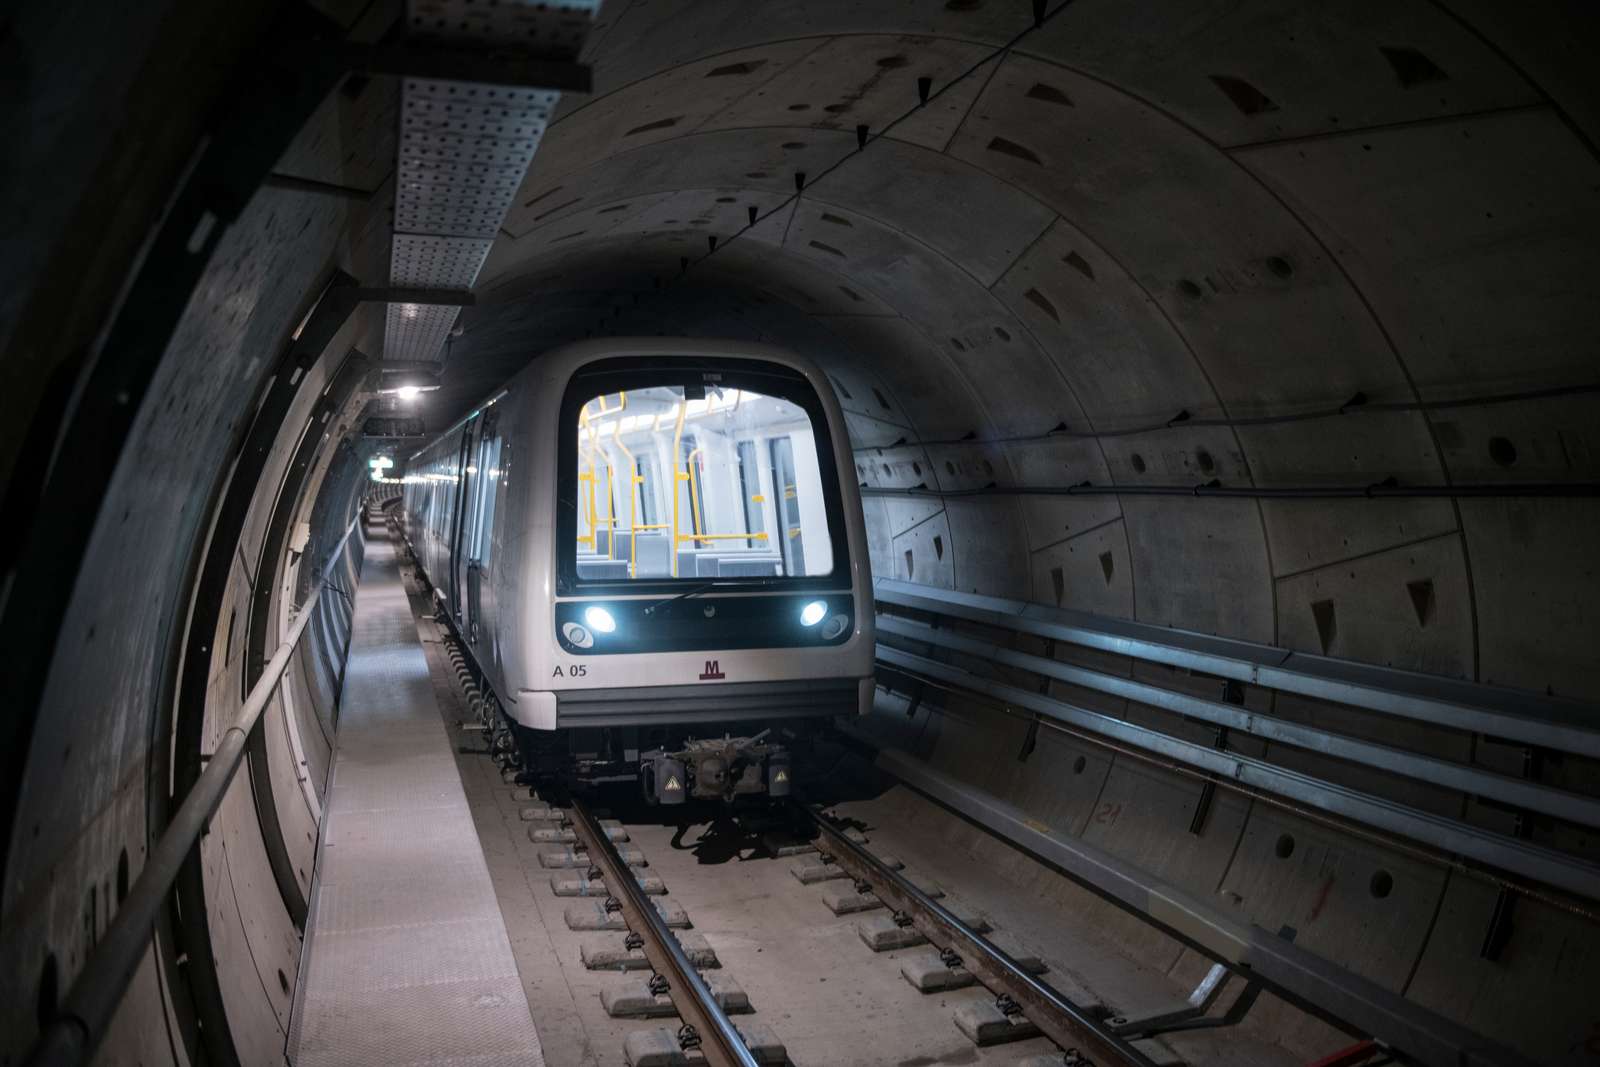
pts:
[1024, 1005]
[606, 890]
[592, 861]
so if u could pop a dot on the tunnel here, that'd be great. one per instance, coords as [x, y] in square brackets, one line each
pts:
[1216, 378]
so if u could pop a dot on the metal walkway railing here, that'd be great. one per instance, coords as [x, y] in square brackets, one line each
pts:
[944, 639]
[71, 1036]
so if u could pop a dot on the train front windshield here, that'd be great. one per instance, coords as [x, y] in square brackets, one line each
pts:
[721, 484]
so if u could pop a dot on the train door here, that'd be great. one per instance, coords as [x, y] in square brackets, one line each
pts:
[476, 545]
[465, 483]
[786, 489]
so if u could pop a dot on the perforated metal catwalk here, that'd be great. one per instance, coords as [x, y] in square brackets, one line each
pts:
[407, 959]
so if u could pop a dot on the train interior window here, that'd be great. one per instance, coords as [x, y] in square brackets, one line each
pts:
[786, 492]
[701, 504]
[645, 497]
[755, 500]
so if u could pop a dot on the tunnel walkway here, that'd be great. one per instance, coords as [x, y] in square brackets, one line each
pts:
[406, 957]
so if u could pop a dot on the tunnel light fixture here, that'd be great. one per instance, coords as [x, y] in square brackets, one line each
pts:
[599, 619]
[813, 612]
[407, 392]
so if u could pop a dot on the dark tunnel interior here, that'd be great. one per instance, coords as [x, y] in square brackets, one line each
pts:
[1218, 378]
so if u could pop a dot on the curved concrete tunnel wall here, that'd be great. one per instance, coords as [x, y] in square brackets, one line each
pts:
[93, 793]
[1136, 213]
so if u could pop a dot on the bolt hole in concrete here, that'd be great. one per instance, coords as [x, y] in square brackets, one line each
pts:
[1002, 334]
[1079, 764]
[1381, 885]
[1279, 266]
[49, 990]
[950, 468]
[1207, 464]
[122, 876]
[1285, 846]
[1189, 289]
[1502, 451]
[1138, 463]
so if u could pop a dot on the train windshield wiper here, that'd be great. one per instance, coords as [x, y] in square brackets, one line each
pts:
[685, 595]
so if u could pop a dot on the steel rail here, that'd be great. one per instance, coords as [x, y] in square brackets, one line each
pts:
[1547, 722]
[1063, 1021]
[1558, 869]
[1303, 978]
[71, 1036]
[723, 1045]
[1518, 792]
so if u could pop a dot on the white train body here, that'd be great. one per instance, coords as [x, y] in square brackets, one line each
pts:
[621, 474]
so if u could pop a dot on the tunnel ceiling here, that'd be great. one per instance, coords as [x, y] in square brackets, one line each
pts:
[1153, 244]
[1220, 209]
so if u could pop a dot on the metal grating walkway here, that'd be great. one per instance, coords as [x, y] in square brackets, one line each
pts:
[407, 958]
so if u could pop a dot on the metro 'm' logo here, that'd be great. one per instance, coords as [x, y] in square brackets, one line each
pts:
[712, 673]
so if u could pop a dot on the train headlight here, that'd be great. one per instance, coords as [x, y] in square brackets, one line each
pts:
[599, 620]
[813, 612]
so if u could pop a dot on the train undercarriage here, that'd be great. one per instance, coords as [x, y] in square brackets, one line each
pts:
[672, 767]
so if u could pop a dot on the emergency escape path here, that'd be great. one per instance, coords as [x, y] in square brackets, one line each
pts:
[406, 957]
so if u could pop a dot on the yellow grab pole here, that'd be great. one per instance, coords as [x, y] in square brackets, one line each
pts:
[677, 476]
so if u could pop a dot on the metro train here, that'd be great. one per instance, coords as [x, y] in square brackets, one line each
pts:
[653, 550]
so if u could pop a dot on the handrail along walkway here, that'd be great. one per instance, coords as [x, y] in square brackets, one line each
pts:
[86, 1011]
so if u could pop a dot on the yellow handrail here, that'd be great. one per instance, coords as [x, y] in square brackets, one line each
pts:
[677, 476]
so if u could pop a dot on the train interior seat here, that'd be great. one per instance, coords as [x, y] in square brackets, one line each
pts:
[654, 555]
[654, 559]
[602, 569]
[747, 565]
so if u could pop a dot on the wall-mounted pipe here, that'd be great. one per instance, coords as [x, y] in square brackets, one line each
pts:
[1379, 491]
[70, 1038]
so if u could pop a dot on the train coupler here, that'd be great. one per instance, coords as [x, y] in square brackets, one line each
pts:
[725, 768]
